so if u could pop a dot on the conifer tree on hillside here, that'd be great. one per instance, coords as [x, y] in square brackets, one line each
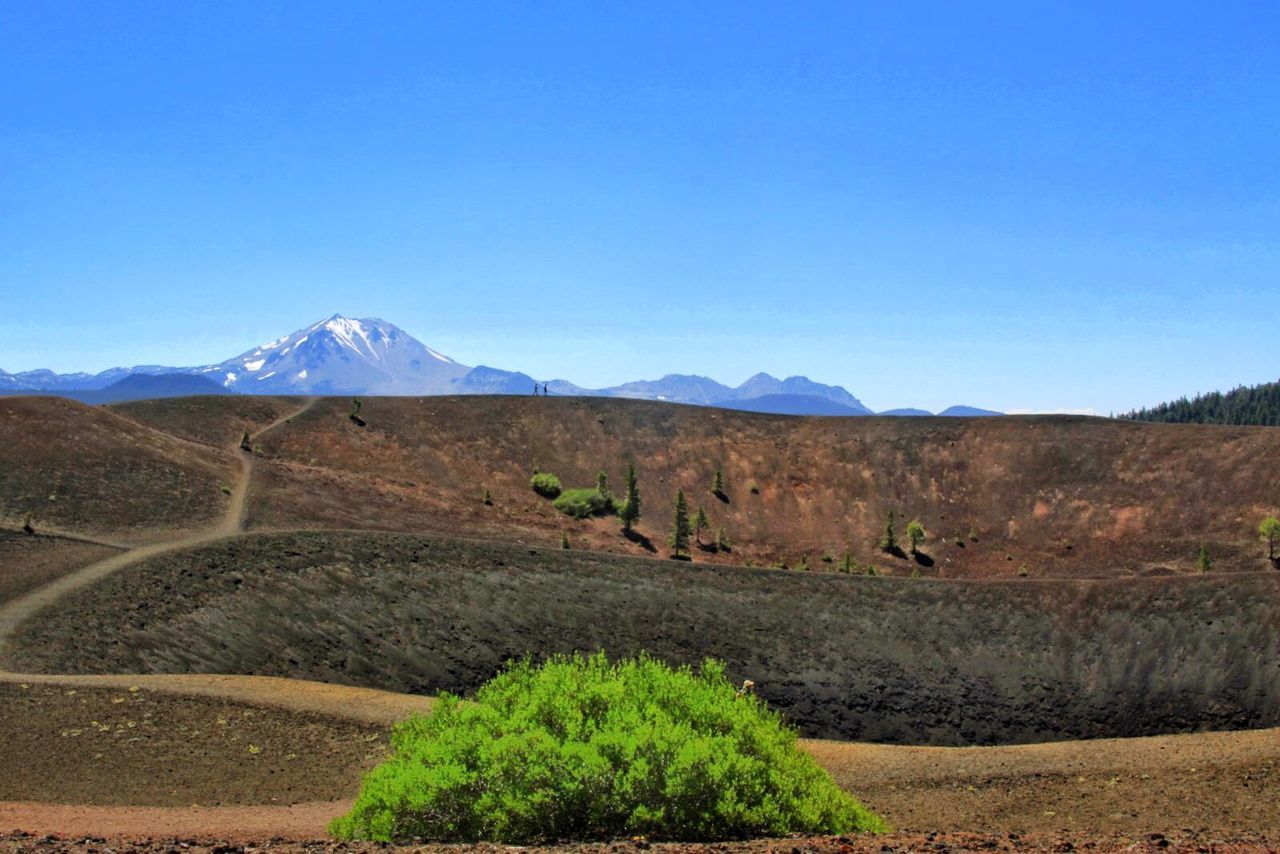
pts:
[700, 524]
[1256, 405]
[889, 542]
[717, 486]
[679, 539]
[1202, 560]
[602, 484]
[630, 511]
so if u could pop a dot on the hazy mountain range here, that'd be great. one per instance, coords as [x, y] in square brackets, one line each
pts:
[343, 355]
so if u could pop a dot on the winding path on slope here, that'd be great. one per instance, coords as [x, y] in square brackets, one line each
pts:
[16, 612]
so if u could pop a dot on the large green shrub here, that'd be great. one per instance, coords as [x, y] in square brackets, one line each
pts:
[545, 484]
[581, 748]
[581, 503]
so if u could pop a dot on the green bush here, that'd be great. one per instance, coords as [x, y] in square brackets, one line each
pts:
[545, 484]
[581, 748]
[582, 503]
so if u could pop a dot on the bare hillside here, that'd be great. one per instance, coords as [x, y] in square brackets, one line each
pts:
[1000, 497]
[88, 470]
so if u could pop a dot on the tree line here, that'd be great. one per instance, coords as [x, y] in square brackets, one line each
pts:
[1257, 405]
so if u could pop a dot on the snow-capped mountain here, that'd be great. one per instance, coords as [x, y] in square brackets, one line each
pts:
[340, 355]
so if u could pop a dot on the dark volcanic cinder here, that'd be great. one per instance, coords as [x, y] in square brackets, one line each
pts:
[894, 660]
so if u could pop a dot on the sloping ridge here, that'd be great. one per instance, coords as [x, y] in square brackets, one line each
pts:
[87, 468]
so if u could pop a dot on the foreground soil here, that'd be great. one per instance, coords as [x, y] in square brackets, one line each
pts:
[854, 657]
[1195, 790]
[938, 842]
[132, 746]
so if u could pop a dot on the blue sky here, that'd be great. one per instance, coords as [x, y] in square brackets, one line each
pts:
[1022, 206]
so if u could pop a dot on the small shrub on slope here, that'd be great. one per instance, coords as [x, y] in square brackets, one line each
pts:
[545, 484]
[581, 748]
[581, 503]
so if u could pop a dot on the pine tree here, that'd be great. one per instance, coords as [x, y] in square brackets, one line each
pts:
[564, 540]
[1202, 560]
[700, 524]
[602, 484]
[488, 499]
[846, 565]
[245, 443]
[722, 540]
[630, 511]
[717, 485]
[889, 542]
[1258, 405]
[679, 539]
[355, 409]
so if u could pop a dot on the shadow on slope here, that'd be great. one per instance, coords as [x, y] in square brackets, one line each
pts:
[879, 659]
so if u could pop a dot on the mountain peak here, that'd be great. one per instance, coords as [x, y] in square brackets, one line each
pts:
[341, 355]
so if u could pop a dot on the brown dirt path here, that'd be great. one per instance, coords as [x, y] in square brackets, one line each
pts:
[364, 705]
[237, 512]
[242, 824]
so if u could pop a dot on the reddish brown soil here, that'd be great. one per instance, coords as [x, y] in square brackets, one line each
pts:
[27, 562]
[1206, 783]
[126, 747]
[1044, 496]
[1048, 496]
[287, 829]
[88, 470]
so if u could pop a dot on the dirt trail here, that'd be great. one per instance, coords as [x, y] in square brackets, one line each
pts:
[49, 531]
[18, 611]
[237, 511]
[364, 705]
[243, 824]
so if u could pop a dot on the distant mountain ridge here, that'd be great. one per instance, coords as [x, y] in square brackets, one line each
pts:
[369, 356]
[141, 387]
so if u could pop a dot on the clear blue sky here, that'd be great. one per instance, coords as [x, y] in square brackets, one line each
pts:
[1023, 205]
